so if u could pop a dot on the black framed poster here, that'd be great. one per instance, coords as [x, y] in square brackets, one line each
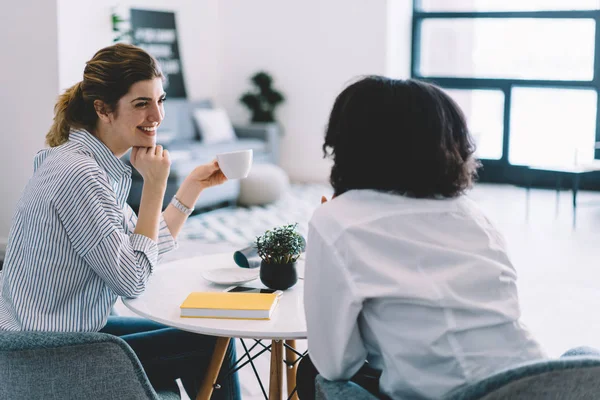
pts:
[156, 32]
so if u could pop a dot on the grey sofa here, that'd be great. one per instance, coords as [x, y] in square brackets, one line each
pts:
[573, 378]
[65, 366]
[181, 136]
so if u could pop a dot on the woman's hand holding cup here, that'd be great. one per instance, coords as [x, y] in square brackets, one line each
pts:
[208, 175]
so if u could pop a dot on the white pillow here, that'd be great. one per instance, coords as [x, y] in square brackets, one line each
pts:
[214, 125]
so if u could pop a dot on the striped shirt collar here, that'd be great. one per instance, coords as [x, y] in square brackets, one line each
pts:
[114, 167]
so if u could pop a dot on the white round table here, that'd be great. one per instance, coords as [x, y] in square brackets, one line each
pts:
[172, 282]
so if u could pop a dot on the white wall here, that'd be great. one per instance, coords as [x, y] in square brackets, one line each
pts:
[29, 84]
[85, 27]
[399, 33]
[312, 48]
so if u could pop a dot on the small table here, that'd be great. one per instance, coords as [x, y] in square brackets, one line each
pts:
[575, 171]
[171, 283]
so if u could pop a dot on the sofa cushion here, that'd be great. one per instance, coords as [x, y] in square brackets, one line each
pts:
[214, 125]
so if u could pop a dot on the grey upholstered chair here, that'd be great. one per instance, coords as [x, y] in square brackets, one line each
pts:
[572, 378]
[44, 365]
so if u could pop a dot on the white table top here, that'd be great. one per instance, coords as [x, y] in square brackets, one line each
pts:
[571, 169]
[172, 282]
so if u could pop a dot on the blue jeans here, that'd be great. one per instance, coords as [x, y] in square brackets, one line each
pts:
[168, 354]
[367, 377]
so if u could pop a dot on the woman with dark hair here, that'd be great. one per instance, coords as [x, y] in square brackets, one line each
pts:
[402, 269]
[75, 245]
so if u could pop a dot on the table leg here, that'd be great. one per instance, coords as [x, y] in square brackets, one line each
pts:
[527, 192]
[290, 372]
[276, 375]
[558, 187]
[213, 369]
[576, 179]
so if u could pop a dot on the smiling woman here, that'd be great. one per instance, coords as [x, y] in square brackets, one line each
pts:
[76, 246]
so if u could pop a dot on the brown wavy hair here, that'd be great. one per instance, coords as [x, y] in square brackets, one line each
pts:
[400, 136]
[108, 76]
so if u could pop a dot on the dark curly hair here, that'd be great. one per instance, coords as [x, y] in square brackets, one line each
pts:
[401, 136]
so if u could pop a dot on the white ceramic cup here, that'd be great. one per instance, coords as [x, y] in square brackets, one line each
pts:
[236, 164]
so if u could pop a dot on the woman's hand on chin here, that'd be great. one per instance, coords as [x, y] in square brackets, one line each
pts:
[208, 175]
[153, 163]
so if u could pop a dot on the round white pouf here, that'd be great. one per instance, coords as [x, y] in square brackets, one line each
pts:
[265, 184]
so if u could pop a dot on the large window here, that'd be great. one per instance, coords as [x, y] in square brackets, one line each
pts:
[525, 72]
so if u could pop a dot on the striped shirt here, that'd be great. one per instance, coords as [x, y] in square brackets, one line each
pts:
[71, 249]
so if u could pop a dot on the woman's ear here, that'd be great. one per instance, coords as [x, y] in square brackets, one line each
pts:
[102, 111]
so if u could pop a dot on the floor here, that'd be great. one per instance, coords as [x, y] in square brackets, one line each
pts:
[558, 265]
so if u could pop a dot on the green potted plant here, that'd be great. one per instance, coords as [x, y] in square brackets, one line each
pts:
[263, 100]
[279, 249]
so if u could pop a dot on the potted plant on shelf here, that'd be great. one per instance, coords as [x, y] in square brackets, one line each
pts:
[264, 99]
[279, 249]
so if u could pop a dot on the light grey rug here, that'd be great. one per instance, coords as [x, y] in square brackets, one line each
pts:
[240, 226]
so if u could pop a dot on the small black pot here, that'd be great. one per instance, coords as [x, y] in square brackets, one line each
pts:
[278, 276]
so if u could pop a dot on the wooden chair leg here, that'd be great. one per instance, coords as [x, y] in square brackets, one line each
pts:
[213, 369]
[290, 357]
[276, 376]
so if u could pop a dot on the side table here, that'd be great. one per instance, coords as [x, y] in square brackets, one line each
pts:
[171, 283]
[576, 172]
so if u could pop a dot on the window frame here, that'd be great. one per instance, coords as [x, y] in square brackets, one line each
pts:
[501, 170]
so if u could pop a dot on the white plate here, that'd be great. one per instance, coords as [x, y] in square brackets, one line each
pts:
[230, 275]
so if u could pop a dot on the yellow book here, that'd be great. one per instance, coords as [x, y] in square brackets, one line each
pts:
[229, 305]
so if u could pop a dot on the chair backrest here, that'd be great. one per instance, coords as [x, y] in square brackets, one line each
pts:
[573, 378]
[179, 118]
[70, 366]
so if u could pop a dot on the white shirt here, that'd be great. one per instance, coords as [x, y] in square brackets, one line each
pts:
[422, 289]
[71, 248]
